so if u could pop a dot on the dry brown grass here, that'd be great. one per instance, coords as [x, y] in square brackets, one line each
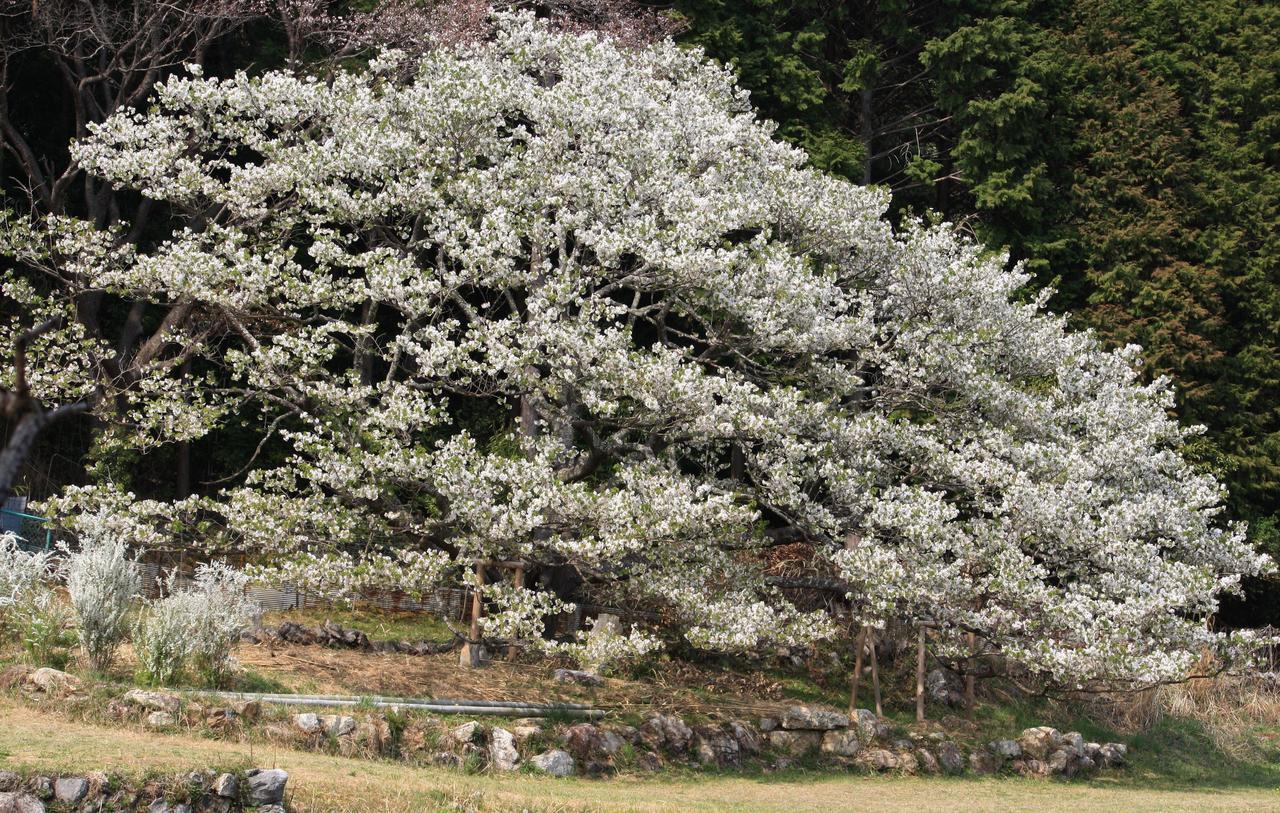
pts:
[320, 783]
[1240, 713]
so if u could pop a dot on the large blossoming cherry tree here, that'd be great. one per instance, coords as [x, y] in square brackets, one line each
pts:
[556, 301]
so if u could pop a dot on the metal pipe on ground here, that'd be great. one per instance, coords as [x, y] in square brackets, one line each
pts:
[471, 707]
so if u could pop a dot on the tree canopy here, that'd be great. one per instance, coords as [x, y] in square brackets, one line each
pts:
[555, 300]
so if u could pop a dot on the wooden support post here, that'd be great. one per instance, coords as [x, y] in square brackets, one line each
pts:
[469, 657]
[518, 579]
[875, 674]
[854, 679]
[920, 675]
[970, 688]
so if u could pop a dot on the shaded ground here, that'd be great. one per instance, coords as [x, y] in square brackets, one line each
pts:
[326, 784]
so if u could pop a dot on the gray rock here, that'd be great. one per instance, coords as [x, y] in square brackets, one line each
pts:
[1073, 742]
[308, 723]
[227, 785]
[983, 762]
[266, 787]
[1086, 765]
[648, 761]
[578, 677]
[52, 681]
[870, 727]
[749, 740]
[1060, 763]
[1040, 741]
[587, 741]
[153, 701]
[554, 762]
[950, 757]
[20, 803]
[1005, 749]
[338, 725]
[272, 809]
[928, 762]
[813, 718]
[209, 803]
[907, 763]
[1093, 751]
[795, 743]
[841, 743]
[9, 781]
[502, 750]
[712, 746]
[42, 787]
[158, 806]
[159, 719]
[666, 731]
[70, 790]
[768, 724]
[1030, 767]
[467, 732]
[878, 759]
[1114, 754]
[943, 686]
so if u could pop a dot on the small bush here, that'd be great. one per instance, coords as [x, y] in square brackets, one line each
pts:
[45, 626]
[162, 639]
[20, 574]
[220, 612]
[102, 580]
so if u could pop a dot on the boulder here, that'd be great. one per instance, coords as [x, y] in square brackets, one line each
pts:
[70, 790]
[1005, 749]
[1030, 767]
[308, 723]
[813, 718]
[159, 719]
[338, 725]
[502, 750]
[648, 761]
[713, 746]
[983, 762]
[1073, 743]
[1093, 751]
[20, 803]
[870, 727]
[227, 785]
[525, 728]
[1087, 765]
[768, 724]
[907, 763]
[928, 762]
[749, 740]
[578, 677]
[795, 743]
[9, 781]
[52, 682]
[1113, 754]
[841, 743]
[266, 787]
[950, 758]
[554, 762]
[877, 759]
[250, 710]
[1040, 741]
[587, 741]
[467, 732]
[153, 701]
[666, 731]
[1060, 763]
[943, 686]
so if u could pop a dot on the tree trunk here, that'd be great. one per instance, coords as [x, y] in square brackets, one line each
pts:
[518, 579]
[920, 675]
[970, 687]
[857, 670]
[470, 655]
[875, 674]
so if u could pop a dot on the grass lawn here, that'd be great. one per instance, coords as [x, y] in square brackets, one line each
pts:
[37, 740]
